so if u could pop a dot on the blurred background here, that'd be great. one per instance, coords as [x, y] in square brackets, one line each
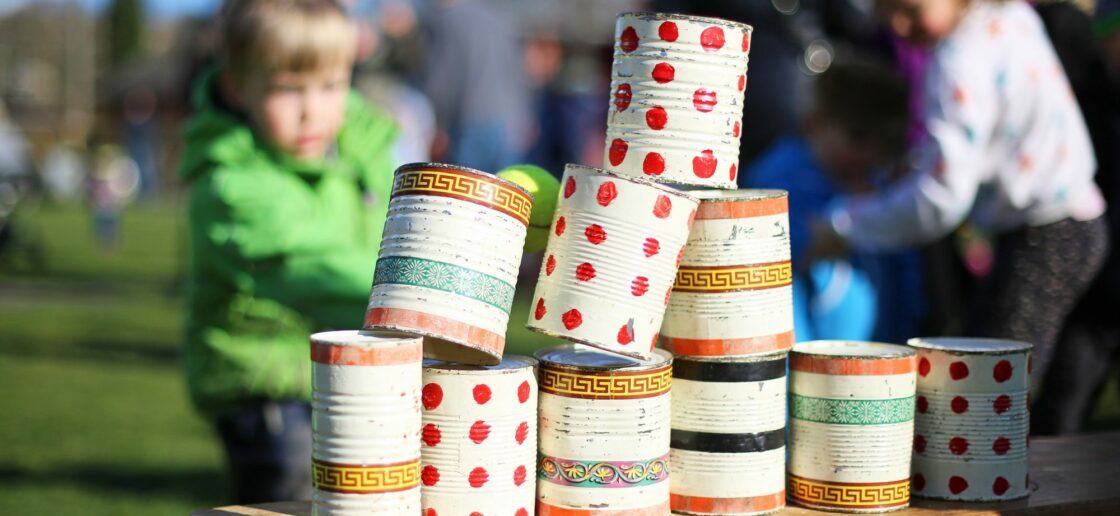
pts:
[93, 94]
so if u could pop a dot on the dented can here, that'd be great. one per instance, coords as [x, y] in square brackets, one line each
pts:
[733, 291]
[970, 433]
[604, 433]
[677, 86]
[851, 418]
[365, 414]
[449, 259]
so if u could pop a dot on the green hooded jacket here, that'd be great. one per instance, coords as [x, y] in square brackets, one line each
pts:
[279, 249]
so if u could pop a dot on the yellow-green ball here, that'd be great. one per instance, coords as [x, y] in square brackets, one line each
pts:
[545, 189]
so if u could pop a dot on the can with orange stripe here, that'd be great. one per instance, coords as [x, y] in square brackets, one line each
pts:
[365, 410]
[449, 258]
[479, 437]
[604, 433]
[851, 425]
[733, 292]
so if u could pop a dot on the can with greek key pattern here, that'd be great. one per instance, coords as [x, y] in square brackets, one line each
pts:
[479, 437]
[971, 426]
[728, 438]
[604, 433]
[851, 418]
[610, 262]
[449, 258]
[733, 292]
[365, 414]
[677, 87]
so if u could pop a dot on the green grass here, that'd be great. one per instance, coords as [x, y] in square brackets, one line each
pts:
[96, 418]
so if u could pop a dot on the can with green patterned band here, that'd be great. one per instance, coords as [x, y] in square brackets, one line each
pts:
[851, 425]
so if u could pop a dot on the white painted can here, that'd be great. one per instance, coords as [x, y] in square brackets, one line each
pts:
[677, 86]
[365, 414]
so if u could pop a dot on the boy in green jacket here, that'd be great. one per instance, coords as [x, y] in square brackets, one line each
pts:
[289, 176]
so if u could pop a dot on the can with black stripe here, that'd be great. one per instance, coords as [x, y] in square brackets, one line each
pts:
[728, 434]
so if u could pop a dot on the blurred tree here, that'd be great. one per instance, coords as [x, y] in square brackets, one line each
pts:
[126, 30]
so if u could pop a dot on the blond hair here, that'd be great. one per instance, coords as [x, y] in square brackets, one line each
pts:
[273, 36]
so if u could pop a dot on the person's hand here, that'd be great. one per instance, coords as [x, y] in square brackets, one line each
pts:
[824, 244]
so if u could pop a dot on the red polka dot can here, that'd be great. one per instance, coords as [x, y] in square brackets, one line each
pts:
[611, 260]
[972, 420]
[677, 87]
[479, 437]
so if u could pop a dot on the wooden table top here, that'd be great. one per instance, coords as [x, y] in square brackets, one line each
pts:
[1069, 475]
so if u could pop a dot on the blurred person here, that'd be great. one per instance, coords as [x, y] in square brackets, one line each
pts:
[289, 176]
[853, 135]
[114, 182]
[16, 174]
[1007, 147]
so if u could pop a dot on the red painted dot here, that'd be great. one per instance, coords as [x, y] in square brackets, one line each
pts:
[481, 393]
[712, 39]
[742, 82]
[919, 482]
[664, 73]
[639, 286]
[561, 223]
[429, 475]
[651, 247]
[923, 404]
[704, 165]
[523, 391]
[431, 396]
[572, 319]
[654, 164]
[625, 335]
[746, 42]
[519, 476]
[569, 187]
[475, 513]
[736, 129]
[478, 477]
[549, 265]
[522, 512]
[734, 171]
[662, 207]
[959, 404]
[1002, 371]
[431, 512]
[923, 367]
[704, 100]
[617, 153]
[957, 485]
[608, 192]
[1002, 404]
[622, 96]
[479, 432]
[656, 118]
[539, 313]
[1000, 486]
[628, 41]
[522, 432]
[595, 234]
[919, 444]
[585, 272]
[958, 445]
[667, 31]
[958, 370]
[1001, 446]
[430, 435]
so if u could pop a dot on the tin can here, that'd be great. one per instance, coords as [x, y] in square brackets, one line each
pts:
[604, 433]
[479, 439]
[733, 294]
[449, 258]
[970, 431]
[851, 425]
[728, 435]
[677, 86]
[610, 262]
[365, 414]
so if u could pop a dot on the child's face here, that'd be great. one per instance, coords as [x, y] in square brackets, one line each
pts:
[922, 21]
[298, 113]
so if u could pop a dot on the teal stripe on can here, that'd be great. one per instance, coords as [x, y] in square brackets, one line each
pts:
[445, 277]
[851, 412]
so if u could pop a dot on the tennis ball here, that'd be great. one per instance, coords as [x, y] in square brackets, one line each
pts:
[545, 189]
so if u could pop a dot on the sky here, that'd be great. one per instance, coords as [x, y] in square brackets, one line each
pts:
[160, 9]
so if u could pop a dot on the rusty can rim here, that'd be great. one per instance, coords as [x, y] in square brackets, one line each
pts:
[510, 364]
[709, 195]
[365, 338]
[581, 357]
[852, 350]
[970, 345]
[652, 15]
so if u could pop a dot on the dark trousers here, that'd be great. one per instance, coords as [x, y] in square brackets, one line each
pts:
[268, 447]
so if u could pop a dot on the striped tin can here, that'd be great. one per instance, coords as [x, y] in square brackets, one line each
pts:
[610, 262]
[449, 258]
[728, 435]
[479, 439]
[972, 421]
[851, 416]
[365, 415]
[604, 433]
[677, 87]
[733, 293]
